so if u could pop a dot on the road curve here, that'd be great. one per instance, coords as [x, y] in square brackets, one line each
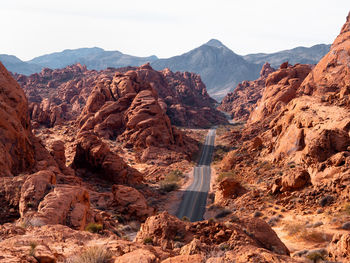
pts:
[195, 197]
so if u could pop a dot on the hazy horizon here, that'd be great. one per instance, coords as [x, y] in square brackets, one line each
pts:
[157, 28]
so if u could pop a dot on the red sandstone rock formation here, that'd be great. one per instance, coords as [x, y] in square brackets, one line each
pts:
[165, 230]
[228, 188]
[129, 110]
[59, 95]
[280, 88]
[16, 149]
[186, 99]
[95, 155]
[242, 101]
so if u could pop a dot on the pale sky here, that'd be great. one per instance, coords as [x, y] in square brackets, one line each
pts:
[30, 28]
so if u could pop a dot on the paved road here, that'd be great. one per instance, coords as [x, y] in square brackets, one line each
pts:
[195, 197]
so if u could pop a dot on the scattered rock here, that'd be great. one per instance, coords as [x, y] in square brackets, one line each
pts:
[346, 226]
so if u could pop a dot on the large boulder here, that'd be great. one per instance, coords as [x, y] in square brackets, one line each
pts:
[95, 155]
[339, 248]
[65, 205]
[228, 188]
[281, 88]
[34, 189]
[131, 202]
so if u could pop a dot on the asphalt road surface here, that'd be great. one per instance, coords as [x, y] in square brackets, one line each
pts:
[195, 197]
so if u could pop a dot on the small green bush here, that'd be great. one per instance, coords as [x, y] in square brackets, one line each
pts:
[185, 218]
[171, 181]
[32, 248]
[148, 241]
[94, 227]
[168, 187]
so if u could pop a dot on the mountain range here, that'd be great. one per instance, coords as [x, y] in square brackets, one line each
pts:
[220, 68]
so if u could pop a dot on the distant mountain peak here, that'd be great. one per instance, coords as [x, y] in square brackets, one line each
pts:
[214, 43]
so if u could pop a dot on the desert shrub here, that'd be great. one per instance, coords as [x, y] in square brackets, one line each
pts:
[223, 175]
[347, 208]
[94, 227]
[316, 255]
[302, 232]
[168, 187]
[148, 241]
[313, 236]
[171, 181]
[185, 218]
[32, 248]
[219, 152]
[211, 220]
[293, 229]
[224, 246]
[257, 214]
[223, 213]
[92, 255]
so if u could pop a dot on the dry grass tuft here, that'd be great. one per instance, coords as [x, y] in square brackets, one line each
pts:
[300, 231]
[92, 255]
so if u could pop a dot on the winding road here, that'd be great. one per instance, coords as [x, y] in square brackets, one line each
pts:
[195, 197]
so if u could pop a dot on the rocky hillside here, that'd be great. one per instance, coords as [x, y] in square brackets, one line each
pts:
[220, 68]
[303, 55]
[87, 211]
[93, 58]
[294, 151]
[59, 95]
[14, 64]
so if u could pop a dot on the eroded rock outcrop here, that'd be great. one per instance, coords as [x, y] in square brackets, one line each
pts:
[280, 88]
[185, 96]
[242, 101]
[95, 155]
[129, 110]
[228, 188]
[164, 230]
[16, 149]
[339, 248]
[56, 96]
[59, 95]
